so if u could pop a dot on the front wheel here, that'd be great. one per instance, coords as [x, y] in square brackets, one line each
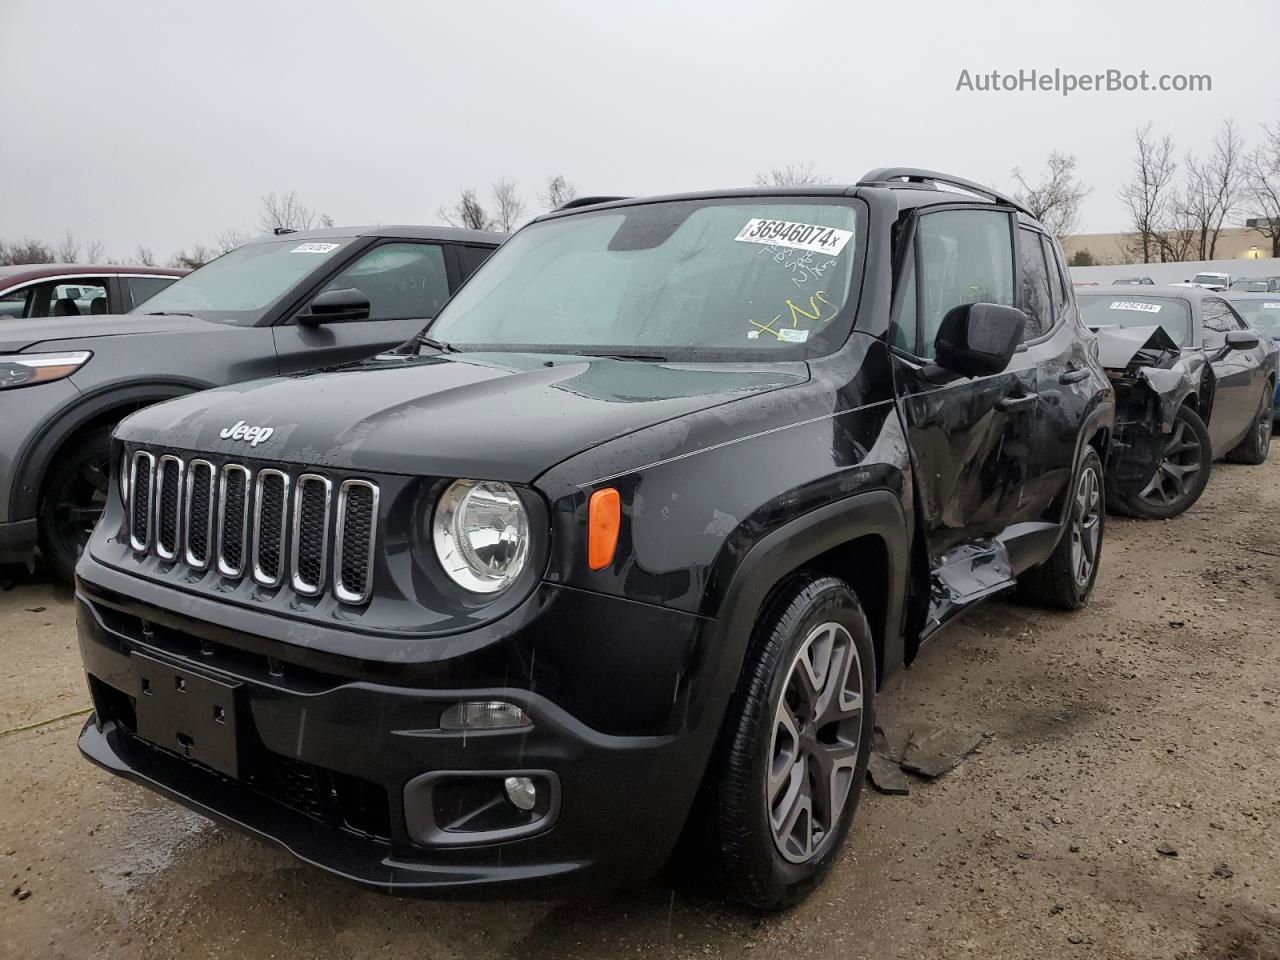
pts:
[73, 498]
[1180, 474]
[790, 768]
[1066, 579]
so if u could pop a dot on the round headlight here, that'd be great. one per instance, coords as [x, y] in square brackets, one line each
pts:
[481, 533]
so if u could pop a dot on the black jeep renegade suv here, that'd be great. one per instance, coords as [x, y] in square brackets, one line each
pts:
[621, 547]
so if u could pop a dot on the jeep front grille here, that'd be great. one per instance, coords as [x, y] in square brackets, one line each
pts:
[259, 523]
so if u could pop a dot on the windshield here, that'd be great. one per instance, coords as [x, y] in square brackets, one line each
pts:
[1135, 311]
[241, 285]
[693, 279]
[1214, 278]
[1263, 315]
[1250, 286]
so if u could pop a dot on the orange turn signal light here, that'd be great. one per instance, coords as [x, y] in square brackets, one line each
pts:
[604, 517]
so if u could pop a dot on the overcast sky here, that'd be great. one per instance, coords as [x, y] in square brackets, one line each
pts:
[162, 124]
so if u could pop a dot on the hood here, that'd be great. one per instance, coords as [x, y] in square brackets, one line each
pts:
[483, 416]
[1120, 347]
[19, 335]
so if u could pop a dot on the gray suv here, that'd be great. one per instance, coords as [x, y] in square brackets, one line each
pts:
[278, 305]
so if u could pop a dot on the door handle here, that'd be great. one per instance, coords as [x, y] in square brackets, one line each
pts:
[1017, 404]
[1074, 375]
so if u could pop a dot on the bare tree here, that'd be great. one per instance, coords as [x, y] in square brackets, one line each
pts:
[1147, 195]
[559, 192]
[1055, 200]
[468, 213]
[1262, 186]
[198, 257]
[144, 256]
[792, 175]
[326, 221]
[26, 250]
[229, 239]
[285, 212]
[1212, 191]
[508, 207]
[94, 252]
[68, 249]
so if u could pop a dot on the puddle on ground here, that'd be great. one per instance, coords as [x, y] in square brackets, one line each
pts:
[151, 835]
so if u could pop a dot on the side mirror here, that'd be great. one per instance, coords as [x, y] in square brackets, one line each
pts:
[1241, 339]
[336, 306]
[978, 339]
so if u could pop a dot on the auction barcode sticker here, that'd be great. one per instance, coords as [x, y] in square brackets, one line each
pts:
[799, 236]
[315, 247]
[1130, 305]
[1271, 306]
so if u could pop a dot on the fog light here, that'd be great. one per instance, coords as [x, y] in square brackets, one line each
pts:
[521, 792]
[483, 715]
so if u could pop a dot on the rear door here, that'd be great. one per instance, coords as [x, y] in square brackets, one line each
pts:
[406, 281]
[970, 438]
[1238, 373]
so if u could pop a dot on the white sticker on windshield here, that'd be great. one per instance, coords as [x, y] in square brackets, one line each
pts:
[788, 335]
[1271, 306]
[1130, 305]
[799, 236]
[315, 247]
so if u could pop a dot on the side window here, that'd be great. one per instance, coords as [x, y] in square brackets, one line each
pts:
[14, 303]
[142, 289]
[469, 258]
[1057, 277]
[1036, 301]
[966, 256]
[1218, 321]
[62, 299]
[403, 281]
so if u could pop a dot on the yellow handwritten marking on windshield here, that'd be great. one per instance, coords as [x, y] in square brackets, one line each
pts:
[768, 327]
[815, 304]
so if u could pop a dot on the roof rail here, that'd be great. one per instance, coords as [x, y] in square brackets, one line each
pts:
[587, 202]
[917, 175]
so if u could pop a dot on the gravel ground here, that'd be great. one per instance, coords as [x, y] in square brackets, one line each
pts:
[1149, 721]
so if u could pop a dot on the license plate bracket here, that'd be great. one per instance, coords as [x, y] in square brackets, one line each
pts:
[187, 713]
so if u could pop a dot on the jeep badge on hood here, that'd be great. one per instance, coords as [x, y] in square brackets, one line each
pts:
[252, 435]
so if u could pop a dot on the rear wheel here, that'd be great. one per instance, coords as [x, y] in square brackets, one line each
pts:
[73, 498]
[1180, 474]
[1066, 579]
[1257, 444]
[789, 772]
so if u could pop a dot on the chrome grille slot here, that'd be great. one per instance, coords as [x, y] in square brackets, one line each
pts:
[357, 533]
[233, 519]
[270, 520]
[198, 523]
[141, 486]
[310, 533]
[168, 498]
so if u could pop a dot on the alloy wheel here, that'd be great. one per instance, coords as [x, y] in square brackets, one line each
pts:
[1086, 527]
[80, 504]
[813, 751]
[1179, 463]
[1266, 419]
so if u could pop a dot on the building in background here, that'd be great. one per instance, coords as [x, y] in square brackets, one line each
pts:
[1107, 249]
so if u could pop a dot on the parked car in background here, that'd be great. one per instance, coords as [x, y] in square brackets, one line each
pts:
[1255, 285]
[28, 291]
[1194, 383]
[277, 305]
[1262, 312]
[1128, 281]
[626, 541]
[1209, 280]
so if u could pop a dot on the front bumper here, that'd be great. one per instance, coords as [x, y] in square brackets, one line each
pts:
[334, 768]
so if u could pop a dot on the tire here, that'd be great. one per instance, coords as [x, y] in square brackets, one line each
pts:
[1189, 443]
[74, 492]
[815, 621]
[1255, 446]
[1066, 579]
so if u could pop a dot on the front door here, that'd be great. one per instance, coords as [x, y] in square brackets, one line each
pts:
[1238, 376]
[406, 282]
[970, 438]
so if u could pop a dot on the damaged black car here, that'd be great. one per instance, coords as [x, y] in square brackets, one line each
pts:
[619, 550]
[1194, 383]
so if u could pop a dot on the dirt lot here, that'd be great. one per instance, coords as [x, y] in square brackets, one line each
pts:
[1149, 720]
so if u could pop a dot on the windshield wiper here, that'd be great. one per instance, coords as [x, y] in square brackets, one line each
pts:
[643, 357]
[168, 313]
[437, 344]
